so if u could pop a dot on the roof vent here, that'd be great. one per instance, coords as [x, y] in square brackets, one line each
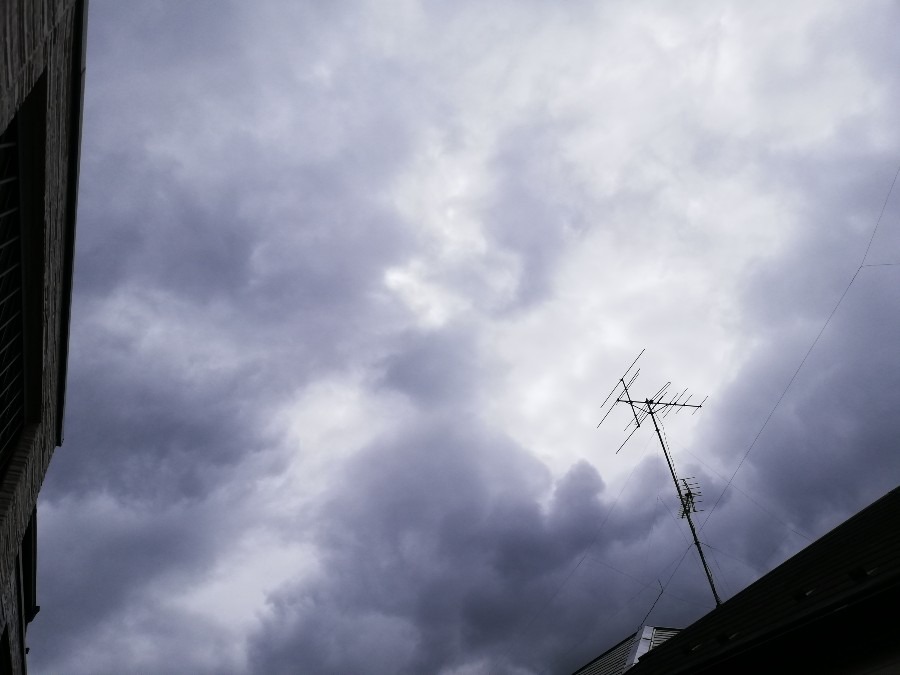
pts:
[863, 572]
[725, 638]
[804, 594]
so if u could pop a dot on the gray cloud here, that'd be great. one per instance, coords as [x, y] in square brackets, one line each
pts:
[540, 205]
[442, 545]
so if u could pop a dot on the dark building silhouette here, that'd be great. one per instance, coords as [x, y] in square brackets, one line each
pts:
[830, 609]
[41, 91]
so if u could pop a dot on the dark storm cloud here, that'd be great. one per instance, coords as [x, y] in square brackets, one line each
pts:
[156, 233]
[433, 367]
[830, 446]
[438, 541]
[152, 230]
[138, 426]
[440, 548]
[172, 423]
[831, 435]
[828, 449]
[145, 429]
[99, 550]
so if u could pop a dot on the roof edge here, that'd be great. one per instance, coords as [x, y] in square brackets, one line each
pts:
[76, 111]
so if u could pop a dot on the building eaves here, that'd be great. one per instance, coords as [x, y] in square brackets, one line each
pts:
[856, 562]
[76, 110]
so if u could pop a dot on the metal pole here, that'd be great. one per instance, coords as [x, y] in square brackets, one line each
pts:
[687, 512]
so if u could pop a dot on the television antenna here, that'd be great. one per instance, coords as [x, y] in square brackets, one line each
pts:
[657, 407]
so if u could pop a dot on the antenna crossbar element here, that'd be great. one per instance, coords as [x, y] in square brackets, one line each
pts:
[660, 393]
[624, 385]
[656, 408]
[701, 405]
[616, 386]
[672, 402]
[628, 397]
[626, 439]
[690, 497]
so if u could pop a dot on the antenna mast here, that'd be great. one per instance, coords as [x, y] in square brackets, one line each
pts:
[656, 408]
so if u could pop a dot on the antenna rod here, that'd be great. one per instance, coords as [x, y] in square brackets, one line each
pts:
[687, 511]
[649, 407]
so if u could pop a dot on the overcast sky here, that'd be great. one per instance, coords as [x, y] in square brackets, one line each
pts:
[353, 279]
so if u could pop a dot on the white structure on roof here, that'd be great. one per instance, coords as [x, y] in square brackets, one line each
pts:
[625, 654]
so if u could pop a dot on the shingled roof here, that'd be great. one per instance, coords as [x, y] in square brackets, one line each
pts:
[823, 610]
